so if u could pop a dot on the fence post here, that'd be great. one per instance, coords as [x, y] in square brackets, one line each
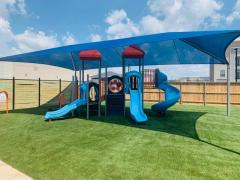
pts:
[159, 97]
[13, 93]
[204, 94]
[39, 92]
[60, 86]
[87, 96]
[180, 86]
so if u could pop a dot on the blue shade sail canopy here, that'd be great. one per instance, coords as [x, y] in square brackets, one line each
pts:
[202, 47]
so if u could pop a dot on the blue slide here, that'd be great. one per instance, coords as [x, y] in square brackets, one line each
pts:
[69, 107]
[172, 94]
[136, 106]
[136, 109]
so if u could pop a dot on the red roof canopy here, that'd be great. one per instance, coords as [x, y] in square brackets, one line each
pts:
[133, 52]
[90, 55]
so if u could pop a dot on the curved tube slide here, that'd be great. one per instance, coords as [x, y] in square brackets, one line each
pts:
[172, 94]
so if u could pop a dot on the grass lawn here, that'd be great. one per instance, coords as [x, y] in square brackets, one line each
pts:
[190, 142]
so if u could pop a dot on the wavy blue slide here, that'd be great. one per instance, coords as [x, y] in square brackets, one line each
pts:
[136, 107]
[69, 107]
[172, 94]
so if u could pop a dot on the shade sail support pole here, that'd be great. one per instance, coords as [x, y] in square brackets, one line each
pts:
[80, 80]
[82, 70]
[87, 96]
[106, 90]
[228, 90]
[100, 87]
[73, 92]
[123, 75]
[236, 64]
[228, 84]
[76, 85]
[143, 83]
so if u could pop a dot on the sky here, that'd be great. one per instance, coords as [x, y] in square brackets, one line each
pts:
[29, 25]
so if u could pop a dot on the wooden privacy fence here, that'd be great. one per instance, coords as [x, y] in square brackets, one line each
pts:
[34, 93]
[192, 92]
[198, 92]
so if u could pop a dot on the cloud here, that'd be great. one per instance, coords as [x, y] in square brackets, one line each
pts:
[30, 41]
[5, 29]
[21, 7]
[95, 37]
[174, 15]
[69, 39]
[151, 24]
[6, 36]
[6, 6]
[181, 15]
[12, 6]
[235, 15]
[116, 16]
[120, 25]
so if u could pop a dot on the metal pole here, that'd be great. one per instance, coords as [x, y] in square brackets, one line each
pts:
[82, 70]
[81, 75]
[80, 80]
[204, 94]
[87, 96]
[73, 88]
[139, 65]
[39, 92]
[123, 75]
[60, 86]
[236, 54]
[13, 93]
[228, 89]
[73, 92]
[100, 87]
[180, 84]
[143, 83]
[75, 85]
[106, 90]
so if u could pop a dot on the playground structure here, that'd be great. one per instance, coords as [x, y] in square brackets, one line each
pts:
[116, 88]
[204, 47]
[133, 82]
[4, 99]
[89, 93]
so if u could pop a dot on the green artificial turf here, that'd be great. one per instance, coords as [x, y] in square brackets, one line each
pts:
[189, 142]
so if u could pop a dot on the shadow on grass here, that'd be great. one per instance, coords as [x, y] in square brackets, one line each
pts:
[175, 122]
[220, 147]
[182, 123]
